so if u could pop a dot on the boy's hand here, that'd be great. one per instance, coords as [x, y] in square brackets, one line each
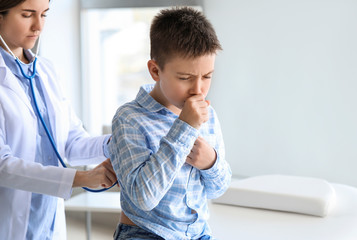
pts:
[194, 111]
[102, 175]
[202, 155]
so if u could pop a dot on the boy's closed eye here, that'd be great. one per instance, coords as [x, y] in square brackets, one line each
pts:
[188, 77]
[184, 76]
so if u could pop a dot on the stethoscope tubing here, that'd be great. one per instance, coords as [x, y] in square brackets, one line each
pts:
[30, 78]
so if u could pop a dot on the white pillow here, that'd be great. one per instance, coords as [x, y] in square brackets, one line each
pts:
[283, 193]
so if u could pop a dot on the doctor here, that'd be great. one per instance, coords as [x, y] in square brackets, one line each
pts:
[31, 183]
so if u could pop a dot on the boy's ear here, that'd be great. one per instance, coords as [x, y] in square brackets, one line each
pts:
[154, 70]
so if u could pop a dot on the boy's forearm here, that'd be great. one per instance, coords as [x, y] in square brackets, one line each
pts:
[146, 185]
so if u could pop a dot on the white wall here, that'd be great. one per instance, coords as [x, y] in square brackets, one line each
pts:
[285, 86]
[61, 44]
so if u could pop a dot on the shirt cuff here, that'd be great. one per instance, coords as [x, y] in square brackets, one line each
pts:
[65, 189]
[105, 146]
[183, 133]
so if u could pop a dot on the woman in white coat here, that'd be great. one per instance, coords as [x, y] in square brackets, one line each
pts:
[31, 182]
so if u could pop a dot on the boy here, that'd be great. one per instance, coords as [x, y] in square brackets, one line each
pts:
[167, 149]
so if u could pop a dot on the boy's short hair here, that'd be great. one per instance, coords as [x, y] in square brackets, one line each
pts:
[181, 31]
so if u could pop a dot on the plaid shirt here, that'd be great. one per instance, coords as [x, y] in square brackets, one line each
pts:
[159, 191]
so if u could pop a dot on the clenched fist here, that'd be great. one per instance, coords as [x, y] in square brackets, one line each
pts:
[202, 155]
[194, 111]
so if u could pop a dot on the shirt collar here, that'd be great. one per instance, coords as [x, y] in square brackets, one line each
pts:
[12, 65]
[144, 99]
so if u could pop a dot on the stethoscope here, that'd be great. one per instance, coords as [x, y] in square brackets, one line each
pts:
[30, 78]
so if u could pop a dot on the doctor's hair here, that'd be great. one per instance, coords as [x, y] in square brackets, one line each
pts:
[183, 32]
[5, 5]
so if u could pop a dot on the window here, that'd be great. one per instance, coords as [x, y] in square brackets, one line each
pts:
[115, 50]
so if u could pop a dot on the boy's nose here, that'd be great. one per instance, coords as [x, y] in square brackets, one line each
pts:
[196, 87]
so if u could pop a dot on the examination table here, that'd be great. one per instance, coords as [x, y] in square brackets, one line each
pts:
[230, 222]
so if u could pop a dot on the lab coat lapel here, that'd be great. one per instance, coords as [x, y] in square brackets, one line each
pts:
[9, 80]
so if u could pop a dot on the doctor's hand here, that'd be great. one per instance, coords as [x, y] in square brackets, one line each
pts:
[102, 175]
[194, 111]
[202, 155]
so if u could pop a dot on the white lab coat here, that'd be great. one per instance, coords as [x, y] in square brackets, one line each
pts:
[19, 174]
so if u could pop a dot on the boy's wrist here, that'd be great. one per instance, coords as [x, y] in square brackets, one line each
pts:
[183, 133]
[211, 164]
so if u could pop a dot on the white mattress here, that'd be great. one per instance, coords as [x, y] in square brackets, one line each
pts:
[233, 222]
[298, 194]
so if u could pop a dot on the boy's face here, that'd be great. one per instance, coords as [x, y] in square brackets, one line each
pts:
[180, 79]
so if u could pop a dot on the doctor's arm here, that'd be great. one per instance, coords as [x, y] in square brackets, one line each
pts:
[147, 175]
[78, 146]
[21, 174]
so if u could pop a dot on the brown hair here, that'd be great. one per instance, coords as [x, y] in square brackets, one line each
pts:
[5, 5]
[181, 31]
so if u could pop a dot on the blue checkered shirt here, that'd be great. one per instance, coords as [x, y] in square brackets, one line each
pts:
[159, 191]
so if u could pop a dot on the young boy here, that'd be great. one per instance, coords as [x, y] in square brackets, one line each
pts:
[167, 149]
